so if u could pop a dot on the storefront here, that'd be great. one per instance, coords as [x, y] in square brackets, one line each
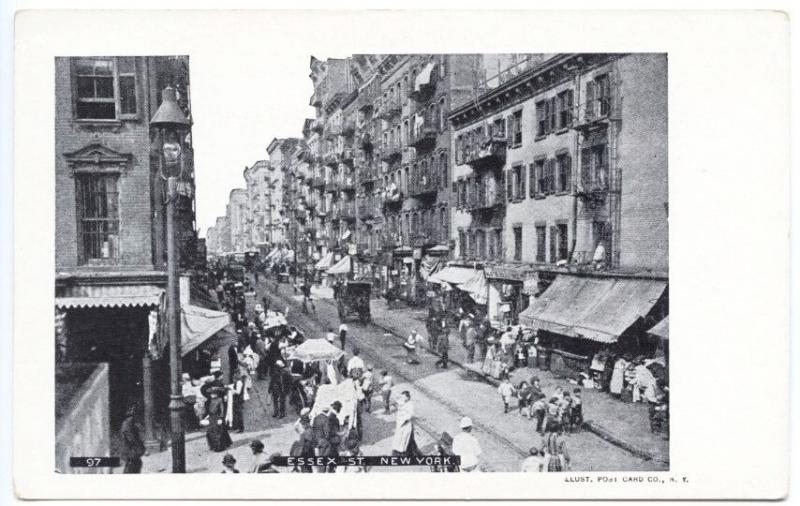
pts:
[581, 316]
[508, 295]
[461, 287]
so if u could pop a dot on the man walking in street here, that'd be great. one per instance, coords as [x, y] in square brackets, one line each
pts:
[132, 444]
[443, 345]
[466, 446]
[342, 334]
[469, 342]
[279, 388]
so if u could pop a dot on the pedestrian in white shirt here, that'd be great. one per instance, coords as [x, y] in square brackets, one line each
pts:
[355, 366]
[467, 447]
[507, 391]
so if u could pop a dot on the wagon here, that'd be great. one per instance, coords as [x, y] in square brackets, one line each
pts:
[353, 299]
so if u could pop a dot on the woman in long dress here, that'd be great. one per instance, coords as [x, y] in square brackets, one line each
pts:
[217, 434]
[556, 456]
[618, 377]
[403, 442]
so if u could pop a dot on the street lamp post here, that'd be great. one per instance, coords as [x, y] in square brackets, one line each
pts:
[170, 123]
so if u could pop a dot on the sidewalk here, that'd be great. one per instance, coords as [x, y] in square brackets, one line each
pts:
[623, 424]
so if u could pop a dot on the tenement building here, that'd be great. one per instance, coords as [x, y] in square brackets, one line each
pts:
[560, 186]
[110, 244]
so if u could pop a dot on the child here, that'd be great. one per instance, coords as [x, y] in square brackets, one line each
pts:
[366, 387]
[524, 398]
[507, 391]
[559, 393]
[553, 415]
[386, 390]
[539, 408]
[576, 413]
[534, 463]
[229, 464]
[564, 412]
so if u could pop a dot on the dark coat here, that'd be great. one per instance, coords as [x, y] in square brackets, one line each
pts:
[321, 428]
[132, 444]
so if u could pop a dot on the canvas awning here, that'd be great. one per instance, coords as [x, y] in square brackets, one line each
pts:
[343, 266]
[325, 262]
[472, 281]
[430, 265]
[424, 77]
[109, 296]
[600, 309]
[661, 329]
[453, 275]
[198, 324]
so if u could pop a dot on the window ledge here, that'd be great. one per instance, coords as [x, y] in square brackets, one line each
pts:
[517, 200]
[539, 137]
[539, 196]
[515, 146]
[562, 130]
[561, 194]
[102, 122]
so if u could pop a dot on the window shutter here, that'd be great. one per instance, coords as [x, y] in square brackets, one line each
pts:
[454, 195]
[510, 130]
[522, 178]
[509, 186]
[567, 168]
[570, 105]
[554, 114]
[553, 243]
[589, 113]
[586, 168]
[532, 180]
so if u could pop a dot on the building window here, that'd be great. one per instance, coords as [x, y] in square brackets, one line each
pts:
[509, 186]
[519, 182]
[549, 177]
[552, 112]
[594, 168]
[541, 118]
[480, 239]
[442, 112]
[105, 88]
[601, 234]
[443, 175]
[565, 109]
[462, 244]
[564, 163]
[498, 238]
[443, 225]
[541, 243]
[98, 216]
[515, 128]
[563, 248]
[517, 243]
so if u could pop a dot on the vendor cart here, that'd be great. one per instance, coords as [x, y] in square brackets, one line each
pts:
[353, 299]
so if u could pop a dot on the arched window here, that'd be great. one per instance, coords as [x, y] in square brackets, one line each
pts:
[442, 119]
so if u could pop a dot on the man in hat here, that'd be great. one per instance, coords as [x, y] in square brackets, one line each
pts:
[467, 447]
[132, 444]
[471, 339]
[443, 344]
[279, 384]
[321, 427]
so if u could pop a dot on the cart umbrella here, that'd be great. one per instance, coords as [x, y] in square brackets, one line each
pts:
[316, 350]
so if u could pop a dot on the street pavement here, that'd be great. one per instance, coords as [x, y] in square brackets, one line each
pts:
[442, 397]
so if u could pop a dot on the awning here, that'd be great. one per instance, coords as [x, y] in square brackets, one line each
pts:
[430, 265]
[271, 255]
[600, 309]
[476, 287]
[84, 296]
[403, 250]
[288, 255]
[453, 275]
[424, 77]
[661, 329]
[198, 325]
[325, 262]
[343, 266]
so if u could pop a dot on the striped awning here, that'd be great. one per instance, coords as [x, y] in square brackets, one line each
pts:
[111, 296]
